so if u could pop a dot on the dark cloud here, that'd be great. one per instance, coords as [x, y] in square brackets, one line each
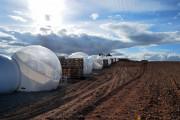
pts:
[46, 30]
[74, 43]
[173, 58]
[156, 57]
[148, 38]
[62, 42]
[66, 43]
[140, 34]
[8, 38]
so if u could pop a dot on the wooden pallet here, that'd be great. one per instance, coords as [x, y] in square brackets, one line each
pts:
[72, 68]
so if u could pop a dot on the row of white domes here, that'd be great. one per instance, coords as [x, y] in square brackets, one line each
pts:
[36, 68]
[33, 68]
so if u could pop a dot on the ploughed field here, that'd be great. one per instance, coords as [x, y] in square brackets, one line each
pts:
[126, 90]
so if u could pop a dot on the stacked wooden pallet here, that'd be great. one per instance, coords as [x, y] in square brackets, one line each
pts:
[124, 59]
[105, 63]
[72, 68]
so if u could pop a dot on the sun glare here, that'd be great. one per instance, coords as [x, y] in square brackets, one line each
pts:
[47, 12]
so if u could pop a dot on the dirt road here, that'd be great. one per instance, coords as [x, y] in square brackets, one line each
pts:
[154, 96]
[127, 90]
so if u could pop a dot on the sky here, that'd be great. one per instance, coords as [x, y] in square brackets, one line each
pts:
[136, 29]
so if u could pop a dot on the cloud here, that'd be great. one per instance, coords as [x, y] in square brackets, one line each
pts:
[125, 27]
[140, 34]
[145, 53]
[162, 56]
[126, 34]
[9, 44]
[62, 43]
[18, 18]
[20, 13]
[5, 37]
[154, 56]
[94, 16]
[46, 30]
[173, 58]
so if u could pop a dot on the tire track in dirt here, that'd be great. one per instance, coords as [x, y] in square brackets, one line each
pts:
[47, 104]
[70, 108]
[76, 106]
[153, 97]
[127, 90]
[164, 102]
[58, 100]
[111, 107]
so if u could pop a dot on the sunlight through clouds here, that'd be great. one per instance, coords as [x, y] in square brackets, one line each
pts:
[46, 12]
[18, 18]
[69, 25]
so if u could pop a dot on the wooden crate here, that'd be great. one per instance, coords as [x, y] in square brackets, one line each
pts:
[72, 68]
[124, 59]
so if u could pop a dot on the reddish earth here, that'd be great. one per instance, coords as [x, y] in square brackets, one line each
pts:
[127, 90]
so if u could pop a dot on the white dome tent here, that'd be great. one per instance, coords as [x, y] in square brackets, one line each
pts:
[109, 61]
[40, 69]
[62, 55]
[97, 62]
[87, 62]
[9, 75]
[78, 55]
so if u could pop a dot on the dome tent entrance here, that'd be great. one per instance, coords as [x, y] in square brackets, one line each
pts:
[40, 68]
[9, 75]
[87, 62]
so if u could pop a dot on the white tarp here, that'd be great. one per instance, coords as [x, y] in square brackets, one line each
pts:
[40, 68]
[88, 63]
[97, 62]
[78, 55]
[109, 61]
[9, 75]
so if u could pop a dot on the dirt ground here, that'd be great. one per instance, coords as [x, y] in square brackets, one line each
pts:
[125, 91]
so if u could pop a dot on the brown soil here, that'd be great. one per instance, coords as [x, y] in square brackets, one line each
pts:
[127, 90]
